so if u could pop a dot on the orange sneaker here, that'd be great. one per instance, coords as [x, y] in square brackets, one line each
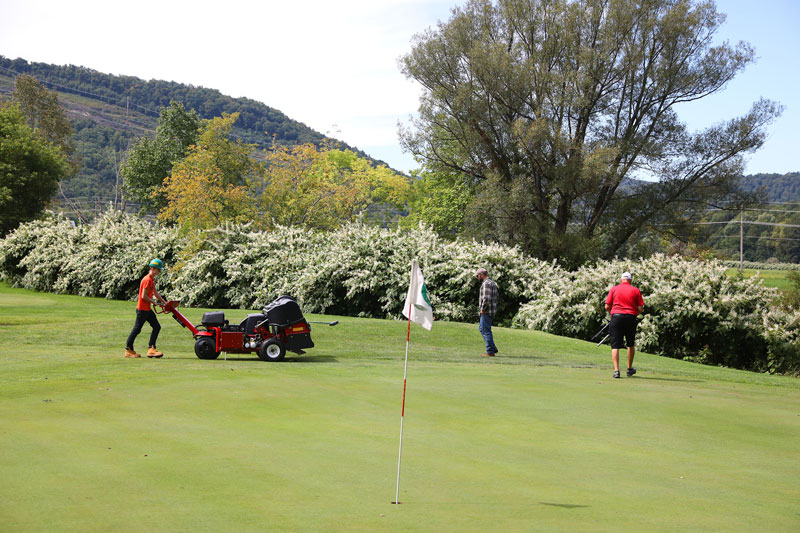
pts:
[152, 352]
[131, 353]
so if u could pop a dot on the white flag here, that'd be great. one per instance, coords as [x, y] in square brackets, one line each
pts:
[417, 300]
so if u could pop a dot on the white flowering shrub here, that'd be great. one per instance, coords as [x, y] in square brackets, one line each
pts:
[450, 276]
[106, 258]
[692, 310]
[357, 270]
[33, 255]
[113, 257]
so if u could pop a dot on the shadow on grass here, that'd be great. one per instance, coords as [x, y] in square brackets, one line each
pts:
[312, 359]
[672, 379]
[517, 358]
[564, 505]
[297, 359]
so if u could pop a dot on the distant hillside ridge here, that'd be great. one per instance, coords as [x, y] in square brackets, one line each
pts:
[257, 124]
[778, 187]
[110, 112]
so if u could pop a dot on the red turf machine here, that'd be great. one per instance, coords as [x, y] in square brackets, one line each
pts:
[280, 327]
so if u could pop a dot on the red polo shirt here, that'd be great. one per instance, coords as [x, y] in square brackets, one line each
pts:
[624, 299]
[146, 286]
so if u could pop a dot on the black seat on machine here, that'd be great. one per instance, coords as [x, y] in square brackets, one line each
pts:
[248, 325]
[283, 311]
[214, 319]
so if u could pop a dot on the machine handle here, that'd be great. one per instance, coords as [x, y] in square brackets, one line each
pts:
[169, 307]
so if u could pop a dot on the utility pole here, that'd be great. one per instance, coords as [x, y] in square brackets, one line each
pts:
[741, 240]
[116, 183]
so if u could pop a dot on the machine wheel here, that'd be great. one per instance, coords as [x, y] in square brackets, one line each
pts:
[204, 348]
[272, 350]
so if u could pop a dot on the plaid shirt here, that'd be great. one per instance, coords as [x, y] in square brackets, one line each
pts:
[489, 296]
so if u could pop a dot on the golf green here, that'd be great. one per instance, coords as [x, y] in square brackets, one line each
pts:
[539, 438]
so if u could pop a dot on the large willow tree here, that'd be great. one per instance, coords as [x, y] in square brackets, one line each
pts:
[545, 107]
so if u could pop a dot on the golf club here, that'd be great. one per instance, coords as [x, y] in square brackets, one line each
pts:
[638, 319]
[328, 323]
[599, 332]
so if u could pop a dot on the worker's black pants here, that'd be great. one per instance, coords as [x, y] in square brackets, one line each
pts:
[141, 318]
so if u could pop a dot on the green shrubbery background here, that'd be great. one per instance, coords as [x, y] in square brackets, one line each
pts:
[693, 310]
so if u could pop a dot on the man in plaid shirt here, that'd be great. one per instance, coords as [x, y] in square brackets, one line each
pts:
[487, 305]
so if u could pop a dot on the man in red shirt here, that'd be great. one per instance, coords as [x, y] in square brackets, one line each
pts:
[624, 302]
[144, 313]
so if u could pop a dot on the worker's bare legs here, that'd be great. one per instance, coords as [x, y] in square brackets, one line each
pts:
[631, 352]
[615, 357]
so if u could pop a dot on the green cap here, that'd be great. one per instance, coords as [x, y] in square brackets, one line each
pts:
[156, 263]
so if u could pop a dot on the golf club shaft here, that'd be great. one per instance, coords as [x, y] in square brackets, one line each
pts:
[599, 332]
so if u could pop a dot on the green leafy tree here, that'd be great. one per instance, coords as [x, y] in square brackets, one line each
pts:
[43, 113]
[550, 106]
[30, 169]
[441, 200]
[150, 161]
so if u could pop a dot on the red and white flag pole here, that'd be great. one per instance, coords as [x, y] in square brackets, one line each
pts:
[403, 408]
[419, 311]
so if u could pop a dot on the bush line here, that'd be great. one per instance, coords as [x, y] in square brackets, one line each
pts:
[693, 310]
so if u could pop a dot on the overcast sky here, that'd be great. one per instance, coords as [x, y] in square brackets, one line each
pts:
[334, 64]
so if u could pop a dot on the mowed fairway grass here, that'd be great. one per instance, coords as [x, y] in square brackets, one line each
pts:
[770, 278]
[539, 438]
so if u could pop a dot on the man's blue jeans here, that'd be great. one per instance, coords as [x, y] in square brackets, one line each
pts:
[485, 327]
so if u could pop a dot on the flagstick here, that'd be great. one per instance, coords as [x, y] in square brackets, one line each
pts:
[403, 409]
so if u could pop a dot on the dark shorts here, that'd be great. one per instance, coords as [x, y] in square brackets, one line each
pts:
[622, 331]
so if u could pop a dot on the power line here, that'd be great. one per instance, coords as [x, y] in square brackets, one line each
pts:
[770, 224]
[761, 210]
[745, 237]
[734, 222]
[86, 93]
[741, 222]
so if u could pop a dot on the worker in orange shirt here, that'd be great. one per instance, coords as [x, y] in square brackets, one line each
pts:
[148, 295]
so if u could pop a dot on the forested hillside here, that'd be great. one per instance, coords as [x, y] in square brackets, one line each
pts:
[766, 232]
[257, 122]
[108, 112]
[777, 187]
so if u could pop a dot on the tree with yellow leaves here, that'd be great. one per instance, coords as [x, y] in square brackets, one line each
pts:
[210, 185]
[324, 187]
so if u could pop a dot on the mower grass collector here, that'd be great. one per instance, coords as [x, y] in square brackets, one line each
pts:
[280, 327]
